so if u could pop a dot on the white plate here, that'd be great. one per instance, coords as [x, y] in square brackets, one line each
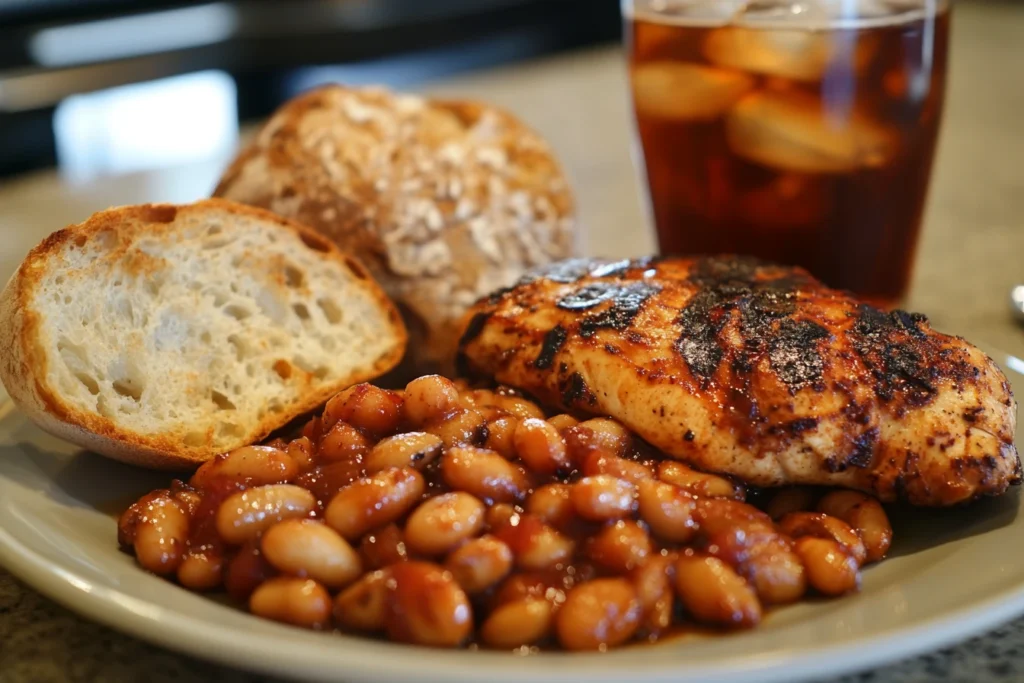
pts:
[951, 574]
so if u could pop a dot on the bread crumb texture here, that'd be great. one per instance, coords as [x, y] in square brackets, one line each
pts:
[444, 201]
[203, 327]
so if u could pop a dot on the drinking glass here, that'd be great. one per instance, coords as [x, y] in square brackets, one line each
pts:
[798, 131]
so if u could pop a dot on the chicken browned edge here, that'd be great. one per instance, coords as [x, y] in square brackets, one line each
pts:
[755, 370]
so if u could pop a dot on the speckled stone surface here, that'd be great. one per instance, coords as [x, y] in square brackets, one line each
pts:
[972, 251]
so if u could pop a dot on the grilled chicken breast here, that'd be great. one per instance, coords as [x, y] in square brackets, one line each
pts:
[758, 371]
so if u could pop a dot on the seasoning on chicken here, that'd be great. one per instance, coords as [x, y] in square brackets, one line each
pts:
[758, 371]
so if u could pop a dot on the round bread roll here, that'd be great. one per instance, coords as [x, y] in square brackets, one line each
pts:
[443, 201]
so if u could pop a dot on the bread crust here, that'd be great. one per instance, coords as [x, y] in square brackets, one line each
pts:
[444, 200]
[24, 364]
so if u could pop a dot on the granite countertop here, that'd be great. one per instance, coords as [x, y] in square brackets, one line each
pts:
[971, 253]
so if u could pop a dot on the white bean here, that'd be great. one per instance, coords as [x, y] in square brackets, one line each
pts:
[441, 523]
[363, 605]
[246, 514]
[300, 602]
[603, 497]
[373, 502]
[160, 535]
[306, 547]
[480, 563]
[483, 473]
[412, 449]
[518, 623]
[667, 509]
[258, 465]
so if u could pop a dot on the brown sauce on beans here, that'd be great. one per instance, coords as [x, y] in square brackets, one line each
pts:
[451, 516]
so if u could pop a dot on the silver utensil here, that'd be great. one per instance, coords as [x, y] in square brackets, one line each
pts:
[1017, 302]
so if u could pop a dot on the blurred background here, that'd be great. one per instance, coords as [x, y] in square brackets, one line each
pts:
[105, 87]
[110, 102]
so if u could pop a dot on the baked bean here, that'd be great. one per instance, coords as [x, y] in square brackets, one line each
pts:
[341, 443]
[536, 545]
[256, 465]
[540, 446]
[383, 547]
[481, 397]
[797, 524]
[519, 407]
[831, 570]
[129, 519]
[201, 569]
[160, 534]
[483, 473]
[441, 523]
[313, 430]
[599, 462]
[867, 517]
[365, 407]
[278, 443]
[480, 564]
[652, 581]
[699, 483]
[608, 434]
[714, 593]
[363, 605]
[776, 572]
[792, 499]
[667, 510]
[303, 452]
[489, 413]
[598, 614]
[426, 606]
[518, 623]
[551, 503]
[461, 428]
[501, 515]
[620, 546]
[603, 497]
[581, 442]
[299, 602]
[414, 449]
[188, 500]
[128, 522]
[246, 571]
[429, 399]
[718, 514]
[469, 402]
[563, 421]
[246, 514]
[541, 585]
[373, 502]
[500, 433]
[737, 540]
[309, 548]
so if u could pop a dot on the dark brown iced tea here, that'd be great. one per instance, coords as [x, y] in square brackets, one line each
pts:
[809, 146]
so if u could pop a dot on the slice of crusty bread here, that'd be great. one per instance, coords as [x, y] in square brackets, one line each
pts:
[162, 335]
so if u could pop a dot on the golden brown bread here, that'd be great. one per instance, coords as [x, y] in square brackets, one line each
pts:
[444, 201]
[162, 335]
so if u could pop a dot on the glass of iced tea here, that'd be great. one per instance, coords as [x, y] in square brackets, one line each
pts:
[800, 131]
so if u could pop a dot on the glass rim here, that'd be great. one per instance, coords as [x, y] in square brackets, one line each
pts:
[719, 13]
